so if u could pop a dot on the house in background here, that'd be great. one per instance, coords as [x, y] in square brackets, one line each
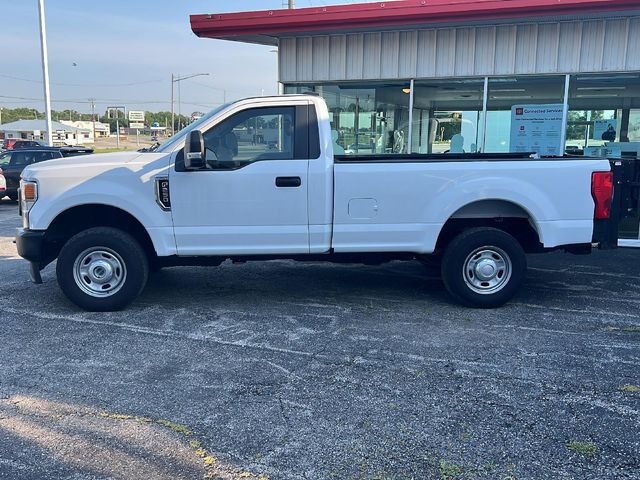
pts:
[102, 129]
[37, 130]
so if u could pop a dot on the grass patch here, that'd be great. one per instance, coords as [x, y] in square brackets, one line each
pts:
[630, 388]
[176, 427]
[588, 449]
[633, 329]
[450, 471]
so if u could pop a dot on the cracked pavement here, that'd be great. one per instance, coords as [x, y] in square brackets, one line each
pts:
[316, 371]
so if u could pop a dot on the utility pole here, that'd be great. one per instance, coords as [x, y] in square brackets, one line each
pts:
[292, 4]
[173, 130]
[45, 71]
[176, 79]
[93, 117]
[110, 115]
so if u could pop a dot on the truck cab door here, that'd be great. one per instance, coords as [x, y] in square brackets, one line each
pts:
[251, 197]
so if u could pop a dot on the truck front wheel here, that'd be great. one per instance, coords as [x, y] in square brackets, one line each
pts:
[102, 269]
[483, 267]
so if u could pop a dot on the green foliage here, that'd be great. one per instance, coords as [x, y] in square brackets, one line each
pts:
[450, 471]
[588, 449]
[163, 118]
[630, 388]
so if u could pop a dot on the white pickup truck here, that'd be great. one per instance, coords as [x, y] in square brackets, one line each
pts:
[257, 180]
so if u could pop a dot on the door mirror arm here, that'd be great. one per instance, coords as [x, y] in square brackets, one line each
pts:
[194, 153]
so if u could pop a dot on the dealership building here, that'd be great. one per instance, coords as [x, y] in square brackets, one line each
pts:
[439, 76]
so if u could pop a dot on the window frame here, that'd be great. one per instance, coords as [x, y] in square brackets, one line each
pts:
[306, 141]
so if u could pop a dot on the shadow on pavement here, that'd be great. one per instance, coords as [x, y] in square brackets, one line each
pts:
[72, 439]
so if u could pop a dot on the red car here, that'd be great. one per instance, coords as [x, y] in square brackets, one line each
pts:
[15, 143]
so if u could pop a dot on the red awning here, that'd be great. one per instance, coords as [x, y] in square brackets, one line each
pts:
[267, 25]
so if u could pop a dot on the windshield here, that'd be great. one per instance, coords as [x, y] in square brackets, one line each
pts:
[170, 143]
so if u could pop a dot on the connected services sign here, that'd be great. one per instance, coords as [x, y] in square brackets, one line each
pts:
[537, 128]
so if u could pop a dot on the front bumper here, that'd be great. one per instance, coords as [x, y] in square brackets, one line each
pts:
[32, 246]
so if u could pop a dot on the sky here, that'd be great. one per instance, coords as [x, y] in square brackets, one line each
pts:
[124, 52]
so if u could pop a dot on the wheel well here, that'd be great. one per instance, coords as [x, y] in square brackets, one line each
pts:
[76, 219]
[500, 214]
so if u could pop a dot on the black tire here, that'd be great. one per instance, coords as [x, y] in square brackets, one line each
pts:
[462, 263]
[123, 257]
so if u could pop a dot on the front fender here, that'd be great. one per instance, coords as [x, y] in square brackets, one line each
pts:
[139, 203]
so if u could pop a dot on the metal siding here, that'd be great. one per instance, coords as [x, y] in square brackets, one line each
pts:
[465, 51]
[526, 44]
[505, 56]
[633, 45]
[371, 55]
[615, 42]
[304, 59]
[355, 56]
[408, 56]
[547, 49]
[390, 54]
[287, 53]
[445, 52]
[426, 54]
[485, 50]
[569, 47]
[321, 48]
[337, 57]
[592, 46]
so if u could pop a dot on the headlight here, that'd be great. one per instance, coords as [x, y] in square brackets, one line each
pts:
[28, 196]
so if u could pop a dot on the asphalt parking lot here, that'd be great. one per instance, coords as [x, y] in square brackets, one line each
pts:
[291, 371]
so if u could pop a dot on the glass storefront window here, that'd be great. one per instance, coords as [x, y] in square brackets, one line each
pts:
[506, 93]
[604, 115]
[446, 116]
[366, 119]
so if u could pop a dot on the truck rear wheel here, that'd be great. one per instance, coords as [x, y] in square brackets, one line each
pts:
[102, 269]
[483, 267]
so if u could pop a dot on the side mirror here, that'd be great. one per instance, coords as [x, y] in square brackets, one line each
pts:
[194, 154]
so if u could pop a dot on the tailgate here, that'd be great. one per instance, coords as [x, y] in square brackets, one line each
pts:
[605, 232]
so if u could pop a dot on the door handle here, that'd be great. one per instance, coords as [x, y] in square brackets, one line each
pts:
[288, 182]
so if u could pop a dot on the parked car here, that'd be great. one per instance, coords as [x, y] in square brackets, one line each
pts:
[13, 162]
[71, 151]
[16, 143]
[204, 197]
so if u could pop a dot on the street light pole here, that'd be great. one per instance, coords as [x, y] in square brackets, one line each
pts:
[176, 79]
[93, 117]
[45, 71]
[292, 4]
[173, 130]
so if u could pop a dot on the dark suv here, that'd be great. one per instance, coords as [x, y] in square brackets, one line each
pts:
[16, 143]
[12, 162]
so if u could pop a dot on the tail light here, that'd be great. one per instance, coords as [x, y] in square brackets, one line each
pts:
[602, 192]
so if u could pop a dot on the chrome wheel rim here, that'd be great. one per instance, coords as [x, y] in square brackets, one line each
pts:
[487, 270]
[99, 272]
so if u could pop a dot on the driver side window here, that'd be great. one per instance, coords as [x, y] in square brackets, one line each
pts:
[249, 136]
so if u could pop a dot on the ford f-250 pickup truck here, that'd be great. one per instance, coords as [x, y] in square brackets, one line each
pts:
[258, 180]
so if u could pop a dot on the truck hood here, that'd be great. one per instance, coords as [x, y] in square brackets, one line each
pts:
[90, 165]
